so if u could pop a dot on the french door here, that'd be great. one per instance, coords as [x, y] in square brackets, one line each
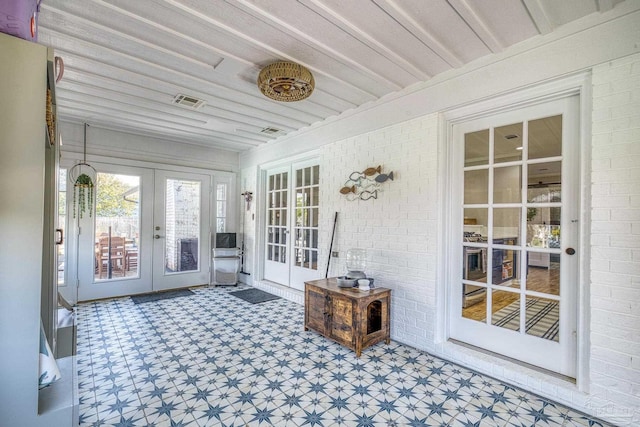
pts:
[515, 210]
[292, 211]
[148, 230]
[181, 230]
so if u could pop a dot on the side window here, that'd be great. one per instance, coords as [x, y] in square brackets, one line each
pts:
[221, 207]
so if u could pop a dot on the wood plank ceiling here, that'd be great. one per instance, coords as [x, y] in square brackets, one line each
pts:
[126, 61]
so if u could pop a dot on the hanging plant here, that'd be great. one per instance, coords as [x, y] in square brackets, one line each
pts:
[83, 194]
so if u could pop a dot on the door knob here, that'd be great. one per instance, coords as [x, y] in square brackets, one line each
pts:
[570, 251]
[61, 234]
[157, 236]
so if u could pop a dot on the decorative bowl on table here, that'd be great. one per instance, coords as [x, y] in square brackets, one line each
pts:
[345, 282]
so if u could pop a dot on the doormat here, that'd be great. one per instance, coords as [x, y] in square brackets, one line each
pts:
[541, 321]
[254, 296]
[157, 296]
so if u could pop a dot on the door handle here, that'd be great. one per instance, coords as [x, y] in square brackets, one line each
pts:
[61, 234]
[157, 236]
[570, 251]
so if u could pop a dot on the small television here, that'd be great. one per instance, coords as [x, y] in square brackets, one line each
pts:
[226, 240]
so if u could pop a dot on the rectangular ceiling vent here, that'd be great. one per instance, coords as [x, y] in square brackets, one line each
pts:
[188, 101]
[270, 130]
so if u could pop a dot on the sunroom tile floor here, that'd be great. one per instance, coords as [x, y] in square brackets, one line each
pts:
[214, 360]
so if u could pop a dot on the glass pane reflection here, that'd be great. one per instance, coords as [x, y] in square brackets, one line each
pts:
[475, 224]
[543, 272]
[474, 303]
[505, 267]
[545, 137]
[507, 183]
[474, 264]
[507, 143]
[543, 318]
[476, 183]
[476, 148]
[506, 223]
[505, 309]
[543, 235]
[544, 182]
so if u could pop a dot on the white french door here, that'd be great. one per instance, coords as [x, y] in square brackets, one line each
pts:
[292, 211]
[148, 230]
[515, 210]
[181, 230]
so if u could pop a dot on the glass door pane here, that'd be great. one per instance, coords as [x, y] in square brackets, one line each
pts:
[117, 226]
[62, 221]
[305, 244]
[277, 194]
[182, 225]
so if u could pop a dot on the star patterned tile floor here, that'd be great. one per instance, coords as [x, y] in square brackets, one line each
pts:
[212, 359]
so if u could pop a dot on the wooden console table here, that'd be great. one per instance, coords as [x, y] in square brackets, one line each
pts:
[356, 319]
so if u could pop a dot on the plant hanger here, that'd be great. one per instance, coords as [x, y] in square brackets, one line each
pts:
[83, 186]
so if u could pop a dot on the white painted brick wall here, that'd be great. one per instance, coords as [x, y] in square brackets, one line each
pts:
[615, 240]
[398, 229]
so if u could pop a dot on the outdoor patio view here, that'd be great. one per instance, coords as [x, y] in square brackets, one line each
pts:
[117, 226]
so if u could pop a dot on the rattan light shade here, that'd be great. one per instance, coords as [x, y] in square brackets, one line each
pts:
[286, 81]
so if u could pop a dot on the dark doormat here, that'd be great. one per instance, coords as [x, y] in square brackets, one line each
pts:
[254, 296]
[157, 296]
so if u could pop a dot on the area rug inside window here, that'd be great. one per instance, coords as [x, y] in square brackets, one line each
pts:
[541, 321]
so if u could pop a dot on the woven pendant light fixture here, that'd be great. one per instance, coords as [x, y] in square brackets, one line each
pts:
[286, 81]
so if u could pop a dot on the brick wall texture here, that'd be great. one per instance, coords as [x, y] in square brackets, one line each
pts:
[615, 239]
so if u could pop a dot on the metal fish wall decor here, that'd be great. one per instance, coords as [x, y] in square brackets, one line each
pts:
[365, 185]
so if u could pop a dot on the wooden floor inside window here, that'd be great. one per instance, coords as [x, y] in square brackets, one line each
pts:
[539, 279]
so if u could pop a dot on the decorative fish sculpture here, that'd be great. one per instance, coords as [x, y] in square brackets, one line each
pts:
[366, 195]
[383, 177]
[347, 190]
[356, 176]
[372, 171]
[369, 184]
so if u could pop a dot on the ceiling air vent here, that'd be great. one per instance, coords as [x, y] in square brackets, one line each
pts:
[188, 101]
[270, 131]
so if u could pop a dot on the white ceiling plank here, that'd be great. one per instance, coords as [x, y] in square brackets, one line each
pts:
[115, 124]
[179, 20]
[403, 18]
[276, 53]
[348, 27]
[539, 16]
[136, 65]
[477, 24]
[211, 136]
[103, 88]
[141, 115]
[605, 5]
[162, 28]
[214, 108]
[111, 37]
[322, 103]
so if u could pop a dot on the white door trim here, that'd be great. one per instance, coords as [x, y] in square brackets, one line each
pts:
[576, 84]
